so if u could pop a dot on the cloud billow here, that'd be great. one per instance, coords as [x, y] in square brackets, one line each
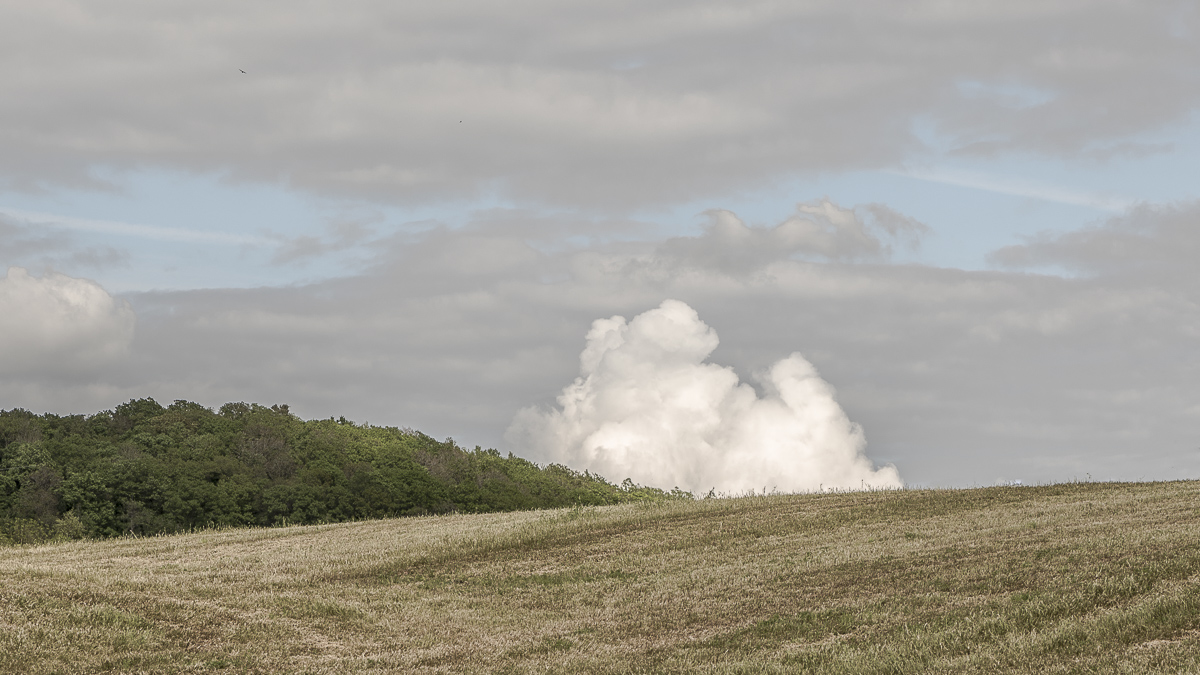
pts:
[819, 230]
[647, 406]
[57, 325]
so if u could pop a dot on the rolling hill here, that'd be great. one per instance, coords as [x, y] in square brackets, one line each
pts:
[1086, 577]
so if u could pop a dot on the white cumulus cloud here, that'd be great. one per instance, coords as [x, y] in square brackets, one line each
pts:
[647, 406]
[59, 324]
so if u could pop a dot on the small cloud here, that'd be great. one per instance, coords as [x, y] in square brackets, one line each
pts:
[27, 244]
[98, 258]
[340, 236]
[1150, 242]
[818, 230]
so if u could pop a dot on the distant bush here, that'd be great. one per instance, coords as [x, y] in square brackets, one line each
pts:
[144, 469]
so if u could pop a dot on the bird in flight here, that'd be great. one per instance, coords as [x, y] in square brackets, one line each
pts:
[243, 72]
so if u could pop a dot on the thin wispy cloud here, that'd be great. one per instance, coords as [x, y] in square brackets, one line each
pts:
[123, 229]
[1018, 188]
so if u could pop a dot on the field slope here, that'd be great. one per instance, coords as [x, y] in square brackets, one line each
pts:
[1065, 578]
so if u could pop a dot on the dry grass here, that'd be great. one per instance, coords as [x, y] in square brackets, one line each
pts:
[1056, 579]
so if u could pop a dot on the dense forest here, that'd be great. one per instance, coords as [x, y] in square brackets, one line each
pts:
[145, 469]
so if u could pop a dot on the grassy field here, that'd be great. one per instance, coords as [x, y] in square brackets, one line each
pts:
[1099, 577]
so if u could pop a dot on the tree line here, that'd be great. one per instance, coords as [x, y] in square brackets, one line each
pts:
[145, 469]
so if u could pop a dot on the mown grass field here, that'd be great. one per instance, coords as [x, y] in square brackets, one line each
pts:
[1073, 578]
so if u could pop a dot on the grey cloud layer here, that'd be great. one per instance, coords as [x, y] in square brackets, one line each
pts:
[957, 377]
[596, 103]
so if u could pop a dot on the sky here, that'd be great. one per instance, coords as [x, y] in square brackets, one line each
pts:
[974, 222]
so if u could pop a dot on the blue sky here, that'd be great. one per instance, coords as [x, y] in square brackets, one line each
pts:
[182, 230]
